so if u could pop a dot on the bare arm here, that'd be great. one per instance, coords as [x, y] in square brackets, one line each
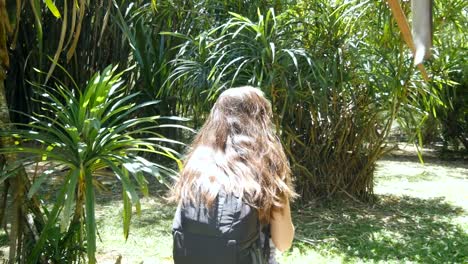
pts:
[282, 228]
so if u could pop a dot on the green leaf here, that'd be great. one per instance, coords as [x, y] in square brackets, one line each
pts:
[127, 212]
[53, 8]
[136, 167]
[240, 17]
[51, 221]
[90, 218]
[69, 199]
[176, 35]
[124, 179]
[38, 182]
[140, 178]
[293, 57]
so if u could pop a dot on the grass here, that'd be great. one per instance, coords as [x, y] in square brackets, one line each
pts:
[395, 229]
[420, 216]
[150, 240]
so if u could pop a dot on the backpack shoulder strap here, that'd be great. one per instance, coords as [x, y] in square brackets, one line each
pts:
[177, 222]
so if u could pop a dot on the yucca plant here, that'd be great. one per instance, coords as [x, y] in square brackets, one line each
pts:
[97, 132]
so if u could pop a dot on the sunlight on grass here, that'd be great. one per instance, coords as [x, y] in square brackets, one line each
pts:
[300, 253]
[150, 240]
[424, 181]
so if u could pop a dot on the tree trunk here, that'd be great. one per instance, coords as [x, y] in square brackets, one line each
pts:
[20, 208]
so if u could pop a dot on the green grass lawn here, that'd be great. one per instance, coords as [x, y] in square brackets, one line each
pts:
[420, 216]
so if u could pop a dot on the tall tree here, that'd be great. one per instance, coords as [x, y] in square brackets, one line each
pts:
[24, 214]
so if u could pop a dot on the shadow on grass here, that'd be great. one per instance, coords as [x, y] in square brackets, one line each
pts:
[393, 229]
[155, 215]
[111, 189]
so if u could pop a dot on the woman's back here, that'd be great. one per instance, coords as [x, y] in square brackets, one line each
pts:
[236, 177]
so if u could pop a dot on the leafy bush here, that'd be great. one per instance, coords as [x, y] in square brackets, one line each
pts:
[334, 93]
[89, 135]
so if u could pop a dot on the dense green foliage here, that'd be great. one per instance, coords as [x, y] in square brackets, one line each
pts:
[450, 70]
[337, 75]
[91, 135]
[438, 115]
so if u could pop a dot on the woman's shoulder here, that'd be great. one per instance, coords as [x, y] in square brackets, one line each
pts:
[202, 161]
[202, 153]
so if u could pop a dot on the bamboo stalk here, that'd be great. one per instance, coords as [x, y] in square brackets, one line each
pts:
[61, 41]
[72, 49]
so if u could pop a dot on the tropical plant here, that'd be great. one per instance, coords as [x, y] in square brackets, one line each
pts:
[450, 82]
[91, 134]
[337, 73]
[23, 215]
[439, 114]
[49, 33]
[69, 33]
[335, 84]
[142, 24]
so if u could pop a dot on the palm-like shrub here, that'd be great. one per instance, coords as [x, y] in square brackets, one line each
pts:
[334, 87]
[450, 81]
[97, 132]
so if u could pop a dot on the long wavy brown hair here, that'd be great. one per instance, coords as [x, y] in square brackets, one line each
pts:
[237, 151]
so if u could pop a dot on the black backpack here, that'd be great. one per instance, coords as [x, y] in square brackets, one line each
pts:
[226, 233]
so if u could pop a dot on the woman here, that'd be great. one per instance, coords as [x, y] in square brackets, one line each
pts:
[235, 182]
